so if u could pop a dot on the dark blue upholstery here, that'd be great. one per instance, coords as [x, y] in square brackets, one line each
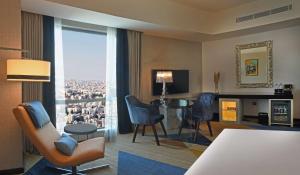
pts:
[144, 114]
[66, 144]
[37, 113]
[203, 108]
[141, 113]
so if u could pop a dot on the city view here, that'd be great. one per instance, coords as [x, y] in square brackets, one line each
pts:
[81, 94]
[85, 102]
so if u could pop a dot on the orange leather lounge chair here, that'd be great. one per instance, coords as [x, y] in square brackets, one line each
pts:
[43, 139]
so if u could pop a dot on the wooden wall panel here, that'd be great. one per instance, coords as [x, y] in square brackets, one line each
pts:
[11, 154]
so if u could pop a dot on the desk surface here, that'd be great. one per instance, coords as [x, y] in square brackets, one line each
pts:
[250, 152]
[256, 96]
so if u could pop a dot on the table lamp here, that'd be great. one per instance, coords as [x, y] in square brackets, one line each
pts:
[28, 70]
[164, 77]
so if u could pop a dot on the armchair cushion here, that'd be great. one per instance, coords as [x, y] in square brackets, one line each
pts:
[203, 108]
[66, 144]
[37, 113]
[141, 113]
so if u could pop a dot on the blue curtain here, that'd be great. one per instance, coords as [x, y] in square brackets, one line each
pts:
[122, 67]
[49, 55]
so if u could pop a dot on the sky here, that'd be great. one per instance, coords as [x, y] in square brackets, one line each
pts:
[84, 55]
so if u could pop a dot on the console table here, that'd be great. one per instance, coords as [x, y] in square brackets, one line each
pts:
[173, 112]
[280, 110]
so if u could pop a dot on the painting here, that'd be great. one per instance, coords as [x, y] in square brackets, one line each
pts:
[254, 67]
[251, 66]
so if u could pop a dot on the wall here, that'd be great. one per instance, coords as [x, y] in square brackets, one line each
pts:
[220, 56]
[10, 92]
[163, 53]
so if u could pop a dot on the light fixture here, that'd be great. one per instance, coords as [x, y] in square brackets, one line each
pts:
[164, 77]
[28, 70]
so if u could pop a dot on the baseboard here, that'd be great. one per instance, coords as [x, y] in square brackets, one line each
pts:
[12, 171]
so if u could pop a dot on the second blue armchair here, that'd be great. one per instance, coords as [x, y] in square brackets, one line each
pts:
[142, 114]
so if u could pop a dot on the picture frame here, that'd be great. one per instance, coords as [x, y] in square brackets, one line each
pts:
[254, 65]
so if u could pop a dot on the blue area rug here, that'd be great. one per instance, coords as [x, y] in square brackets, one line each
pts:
[42, 167]
[276, 128]
[188, 137]
[130, 164]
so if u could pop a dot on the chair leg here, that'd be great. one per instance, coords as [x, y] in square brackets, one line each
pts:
[144, 128]
[183, 118]
[135, 132]
[209, 127]
[74, 170]
[78, 172]
[195, 127]
[180, 128]
[197, 130]
[94, 168]
[155, 134]
[163, 128]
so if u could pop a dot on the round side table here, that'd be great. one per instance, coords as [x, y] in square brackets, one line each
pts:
[81, 129]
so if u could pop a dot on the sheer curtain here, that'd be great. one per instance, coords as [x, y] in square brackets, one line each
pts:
[134, 60]
[111, 122]
[59, 77]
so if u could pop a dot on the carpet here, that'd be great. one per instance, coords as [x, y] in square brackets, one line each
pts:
[43, 166]
[188, 137]
[130, 164]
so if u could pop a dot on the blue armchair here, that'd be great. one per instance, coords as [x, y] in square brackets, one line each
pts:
[145, 115]
[202, 111]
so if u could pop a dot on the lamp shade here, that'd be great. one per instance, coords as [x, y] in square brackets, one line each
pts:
[28, 70]
[164, 76]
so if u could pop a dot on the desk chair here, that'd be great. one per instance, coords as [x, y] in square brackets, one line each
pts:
[144, 114]
[203, 111]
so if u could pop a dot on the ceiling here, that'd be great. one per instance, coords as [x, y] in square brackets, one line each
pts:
[155, 20]
[212, 5]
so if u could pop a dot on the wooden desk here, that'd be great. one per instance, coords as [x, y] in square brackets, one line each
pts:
[250, 152]
[256, 96]
[230, 106]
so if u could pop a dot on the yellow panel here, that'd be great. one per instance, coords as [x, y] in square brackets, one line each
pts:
[229, 110]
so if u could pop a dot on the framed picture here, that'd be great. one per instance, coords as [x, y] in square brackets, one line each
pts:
[251, 67]
[254, 65]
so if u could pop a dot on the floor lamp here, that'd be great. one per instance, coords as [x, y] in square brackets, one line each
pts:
[28, 70]
[164, 77]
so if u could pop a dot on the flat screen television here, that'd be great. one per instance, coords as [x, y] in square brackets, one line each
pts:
[180, 83]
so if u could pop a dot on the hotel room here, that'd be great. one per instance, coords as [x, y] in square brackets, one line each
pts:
[149, 87]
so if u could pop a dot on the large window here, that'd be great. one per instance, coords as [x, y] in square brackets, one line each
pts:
[84, 72]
